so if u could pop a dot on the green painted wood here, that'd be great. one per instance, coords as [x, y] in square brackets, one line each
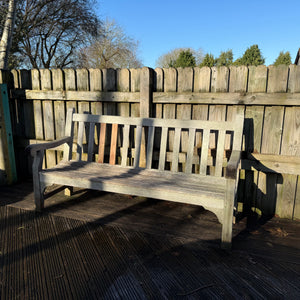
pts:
[7, 138]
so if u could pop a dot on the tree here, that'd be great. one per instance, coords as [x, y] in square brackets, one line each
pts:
[251, 57]
[225, 58]
[168, 59]
[185, 59]
[283, 59]
[112, 48]
[208, 61]
[7, 33]
[47, 32]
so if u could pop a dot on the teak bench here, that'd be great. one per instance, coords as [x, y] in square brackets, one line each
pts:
[156, 158]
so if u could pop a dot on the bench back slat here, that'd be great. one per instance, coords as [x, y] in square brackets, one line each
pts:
[102, 139]
[175, 145]
[125, 145]
[150, 144]
[91, 141]
[113, 144]
[163, 148]
[175, 158]
[190, 151]
[204, 151]
[80, 141]
[138, 139]
[220, 153]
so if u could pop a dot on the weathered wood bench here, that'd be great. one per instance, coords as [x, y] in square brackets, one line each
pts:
[156, 158]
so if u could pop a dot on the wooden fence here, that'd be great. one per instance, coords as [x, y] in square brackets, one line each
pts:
[270, 97]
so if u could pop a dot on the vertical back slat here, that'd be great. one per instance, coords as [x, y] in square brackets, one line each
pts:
[204, 151]
[176, 150]
[80, 140]
[69, 132]
[113, 144]
[102, 137]
[150, 144]
[125, 145]
[163, 148]
[91, 141]
[138, 139]
[220, 152]
[190, 151]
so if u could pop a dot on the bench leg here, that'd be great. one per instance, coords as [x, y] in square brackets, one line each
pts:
[38, 188]
[228, 215]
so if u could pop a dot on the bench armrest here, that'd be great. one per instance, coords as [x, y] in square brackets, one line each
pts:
[33, 149]
[233, 164]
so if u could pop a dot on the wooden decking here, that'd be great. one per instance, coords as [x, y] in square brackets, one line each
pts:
[98, 246]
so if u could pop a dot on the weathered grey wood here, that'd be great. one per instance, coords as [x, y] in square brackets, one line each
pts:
[185, 79]
[137, 143]
[238, 79]
[202, 79]
[190, 151]
[220, 152]
[294, 82]
[227, 98]
[150, 144]
[91, 141]
[163, 148]
[215, 193]
[204, 151]
[80, 141]
[277, 79]
[176, 149]
[257, 79]
[219, 79]
[125, 145]
[69, 131]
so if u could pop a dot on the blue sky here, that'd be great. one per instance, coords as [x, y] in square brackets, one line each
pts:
[214, 26]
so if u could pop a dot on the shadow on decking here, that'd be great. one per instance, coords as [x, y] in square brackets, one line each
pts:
[146, 249]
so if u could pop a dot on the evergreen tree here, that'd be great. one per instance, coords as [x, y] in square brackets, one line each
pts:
[185, 59]
[225, 58]
[251, 57]
[283, 59]
[208, 61]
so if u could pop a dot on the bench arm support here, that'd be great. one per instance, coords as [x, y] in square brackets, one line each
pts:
[233, 165]
[34, 148]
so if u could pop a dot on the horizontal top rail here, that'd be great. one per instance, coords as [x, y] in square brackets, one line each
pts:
[133, 97]
[171, 123]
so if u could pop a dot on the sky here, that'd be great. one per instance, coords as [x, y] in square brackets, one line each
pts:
[214, 26]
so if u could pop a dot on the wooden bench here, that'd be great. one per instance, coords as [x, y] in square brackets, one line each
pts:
[187, 161]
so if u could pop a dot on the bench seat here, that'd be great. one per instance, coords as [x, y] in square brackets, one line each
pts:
[178, 187]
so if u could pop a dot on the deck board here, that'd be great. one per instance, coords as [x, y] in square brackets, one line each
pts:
[107, 246]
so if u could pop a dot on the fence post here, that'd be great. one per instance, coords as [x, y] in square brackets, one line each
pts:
[146, 92]
[8, 173]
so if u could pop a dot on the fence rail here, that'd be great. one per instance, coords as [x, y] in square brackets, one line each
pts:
[270, 97]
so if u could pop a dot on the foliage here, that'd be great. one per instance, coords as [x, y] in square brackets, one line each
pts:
[112, 48]
[169, 59]
[251, 57]
[185, 59]
[225, 58]
[208, 61]
[47, 32]
[283, 59]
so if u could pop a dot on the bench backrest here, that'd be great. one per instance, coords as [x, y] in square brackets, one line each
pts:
[190, 146]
